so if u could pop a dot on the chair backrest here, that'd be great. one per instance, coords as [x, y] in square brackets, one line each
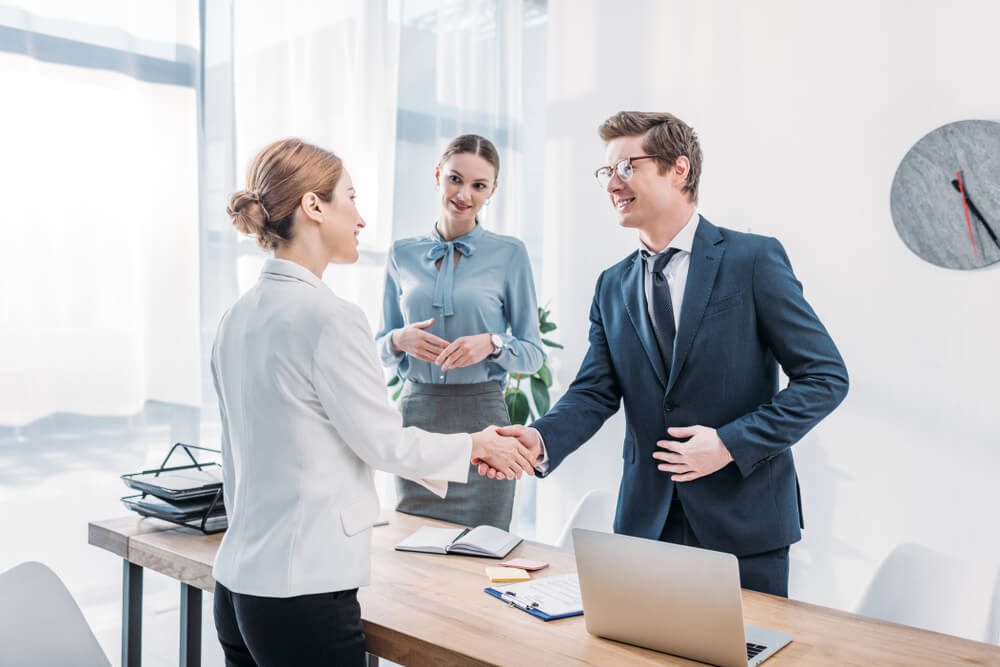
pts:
[596, 511]
[41, 624]
[926, 589]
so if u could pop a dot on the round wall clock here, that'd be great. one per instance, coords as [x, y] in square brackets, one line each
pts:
[945, 197]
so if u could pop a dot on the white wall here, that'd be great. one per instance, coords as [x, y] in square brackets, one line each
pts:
[804, 111]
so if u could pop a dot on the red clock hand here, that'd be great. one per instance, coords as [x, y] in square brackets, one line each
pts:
[965, 207]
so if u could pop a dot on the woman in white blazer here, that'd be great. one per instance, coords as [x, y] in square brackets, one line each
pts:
[305, 420]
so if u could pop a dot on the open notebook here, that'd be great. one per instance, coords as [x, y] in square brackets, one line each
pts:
[480, 541]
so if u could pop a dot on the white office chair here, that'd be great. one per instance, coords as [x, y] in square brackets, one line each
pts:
[926, 589]
[41, 624]
[596, 511]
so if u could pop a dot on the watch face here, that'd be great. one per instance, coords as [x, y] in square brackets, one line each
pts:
[945, 197]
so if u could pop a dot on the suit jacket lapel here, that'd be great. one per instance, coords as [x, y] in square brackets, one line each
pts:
[706, 256]
[634, 295]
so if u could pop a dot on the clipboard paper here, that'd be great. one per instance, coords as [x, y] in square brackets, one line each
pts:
[547, 598]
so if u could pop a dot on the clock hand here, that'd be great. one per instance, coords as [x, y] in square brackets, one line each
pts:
[965, 207]
[975, 211]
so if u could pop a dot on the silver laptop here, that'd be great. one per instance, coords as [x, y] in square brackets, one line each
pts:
[669, 598]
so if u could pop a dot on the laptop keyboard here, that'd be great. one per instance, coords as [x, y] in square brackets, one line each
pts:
[753, 650]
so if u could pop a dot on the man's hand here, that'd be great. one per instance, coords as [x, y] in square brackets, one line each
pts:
[416, 342]
[465, 351]
[504, 457]
[528, 436]
[702, 455]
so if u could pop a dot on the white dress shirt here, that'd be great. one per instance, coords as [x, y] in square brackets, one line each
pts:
[305, 419]
[676, 270]
[676, 273]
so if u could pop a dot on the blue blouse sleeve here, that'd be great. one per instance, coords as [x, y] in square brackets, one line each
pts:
[523, 352]
[392, 315]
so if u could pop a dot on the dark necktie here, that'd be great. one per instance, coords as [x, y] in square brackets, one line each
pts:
[661, 308]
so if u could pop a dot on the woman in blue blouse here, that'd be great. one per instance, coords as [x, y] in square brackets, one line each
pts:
[459, 314]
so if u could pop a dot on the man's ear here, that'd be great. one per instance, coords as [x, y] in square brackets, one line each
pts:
[681, 168]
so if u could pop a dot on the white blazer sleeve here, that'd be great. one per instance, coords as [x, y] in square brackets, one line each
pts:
[350, 385]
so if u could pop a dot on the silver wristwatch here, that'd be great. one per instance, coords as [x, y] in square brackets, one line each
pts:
[498, 345]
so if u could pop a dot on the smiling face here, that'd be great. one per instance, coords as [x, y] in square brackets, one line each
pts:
[466, 181]
[341, 223]
[648, 196]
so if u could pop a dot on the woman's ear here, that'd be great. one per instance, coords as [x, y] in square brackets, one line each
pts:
[310, 207]
[494, 190]
[437, 176]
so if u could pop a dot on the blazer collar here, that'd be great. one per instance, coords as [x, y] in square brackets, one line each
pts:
[706, 256]
[634, 295]
[289, 269]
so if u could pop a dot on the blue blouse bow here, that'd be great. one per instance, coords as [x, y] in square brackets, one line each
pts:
[444, 284]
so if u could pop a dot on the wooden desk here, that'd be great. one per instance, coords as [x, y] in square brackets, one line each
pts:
[424, 609]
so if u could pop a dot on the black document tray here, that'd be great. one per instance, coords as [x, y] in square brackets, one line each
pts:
[189, 495]
[179, 483]
[182, 511]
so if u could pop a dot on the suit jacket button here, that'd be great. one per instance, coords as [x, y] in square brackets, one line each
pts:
[668, 406]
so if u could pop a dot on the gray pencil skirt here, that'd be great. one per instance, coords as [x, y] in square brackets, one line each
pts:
[457, 408]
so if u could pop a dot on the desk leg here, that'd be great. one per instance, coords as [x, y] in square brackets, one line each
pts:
[190, 626]
[131, 614]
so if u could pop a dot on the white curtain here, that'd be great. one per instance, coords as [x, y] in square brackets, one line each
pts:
[462, 72]
[325, 72]
[99, 264]
[479, 72]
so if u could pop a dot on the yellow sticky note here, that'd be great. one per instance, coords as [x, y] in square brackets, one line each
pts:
[506, 574]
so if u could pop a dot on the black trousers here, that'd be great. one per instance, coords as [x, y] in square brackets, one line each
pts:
[766, 572]
[320, 629]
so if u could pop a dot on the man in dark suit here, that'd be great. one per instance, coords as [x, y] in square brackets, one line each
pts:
[689, 331]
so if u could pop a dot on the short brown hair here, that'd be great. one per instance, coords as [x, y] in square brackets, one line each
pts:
[664, 135]
[276, 181]
[476, 145]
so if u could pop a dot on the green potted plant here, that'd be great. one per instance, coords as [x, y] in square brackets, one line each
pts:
[520, 407]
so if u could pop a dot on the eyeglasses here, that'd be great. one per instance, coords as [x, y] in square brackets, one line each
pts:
[623, 168]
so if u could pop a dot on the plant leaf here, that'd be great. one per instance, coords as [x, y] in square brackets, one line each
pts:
[551, 343]
[395, 394]
[517, 406]
[544, 374]
[546, 327]
[540, 394]
[393, 382]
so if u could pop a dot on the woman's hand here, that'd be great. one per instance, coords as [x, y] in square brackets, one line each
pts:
[507, 456]
[416, 342]
[465, 351]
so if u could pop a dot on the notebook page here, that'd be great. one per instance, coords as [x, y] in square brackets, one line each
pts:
[487, 538]
[430, 539]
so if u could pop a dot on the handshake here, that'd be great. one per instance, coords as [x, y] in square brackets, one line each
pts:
[506, 452]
